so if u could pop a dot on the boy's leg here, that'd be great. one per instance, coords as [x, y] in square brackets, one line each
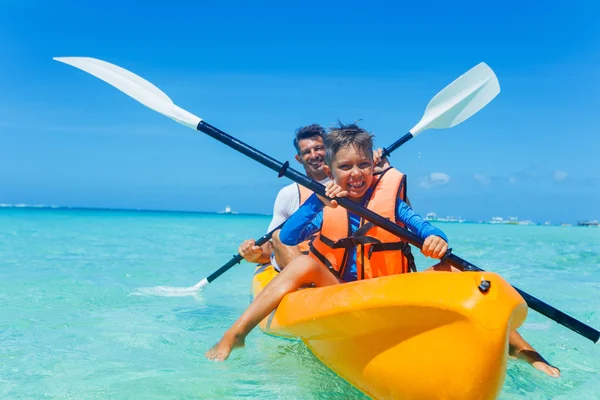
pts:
[284, 254]
[520, 349]
[442, 266]
[302, 271]
[517, 346]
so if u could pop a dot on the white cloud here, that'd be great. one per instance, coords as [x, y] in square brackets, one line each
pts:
[435, 179]
[560, 176]
[483, 179]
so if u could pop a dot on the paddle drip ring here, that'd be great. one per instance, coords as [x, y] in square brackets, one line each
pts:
[448, 252]
[283, 168]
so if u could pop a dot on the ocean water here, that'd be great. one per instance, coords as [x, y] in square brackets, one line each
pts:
[73, 327]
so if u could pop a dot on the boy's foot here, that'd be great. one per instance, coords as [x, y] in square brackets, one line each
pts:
[538, 362]
[221, 350]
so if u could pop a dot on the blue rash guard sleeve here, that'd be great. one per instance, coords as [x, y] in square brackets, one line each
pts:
[416, 223]
[303, 223]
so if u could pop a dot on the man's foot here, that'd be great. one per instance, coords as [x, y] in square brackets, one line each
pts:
[222, 350]
[538, 362]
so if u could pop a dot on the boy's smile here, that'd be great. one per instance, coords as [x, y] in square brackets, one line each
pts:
[353, 171]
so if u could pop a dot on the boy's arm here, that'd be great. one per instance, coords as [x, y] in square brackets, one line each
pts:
[417, 224]
[303, 223]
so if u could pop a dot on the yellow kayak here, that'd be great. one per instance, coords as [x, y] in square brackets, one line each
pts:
[425, 335]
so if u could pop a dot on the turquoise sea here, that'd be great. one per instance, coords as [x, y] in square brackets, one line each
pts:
[73, 327]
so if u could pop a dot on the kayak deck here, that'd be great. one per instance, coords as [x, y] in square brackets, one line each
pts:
[412, 336]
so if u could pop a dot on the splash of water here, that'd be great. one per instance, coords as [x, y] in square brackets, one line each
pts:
[172, 291]
[166, 291]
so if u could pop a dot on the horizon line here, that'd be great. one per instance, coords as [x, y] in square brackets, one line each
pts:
[119, 209]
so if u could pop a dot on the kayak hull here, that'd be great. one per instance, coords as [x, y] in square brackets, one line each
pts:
[426, 335]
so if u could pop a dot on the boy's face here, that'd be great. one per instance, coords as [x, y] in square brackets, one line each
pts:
[353, 171]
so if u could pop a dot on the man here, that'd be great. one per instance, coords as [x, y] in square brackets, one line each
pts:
[310, 152]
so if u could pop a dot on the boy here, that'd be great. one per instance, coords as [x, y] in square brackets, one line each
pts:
[349, 161]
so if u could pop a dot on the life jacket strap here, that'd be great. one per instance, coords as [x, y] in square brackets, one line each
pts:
[324, 261]
[352, 242]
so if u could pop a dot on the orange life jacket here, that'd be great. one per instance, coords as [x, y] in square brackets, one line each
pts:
[378, 252]
[303, 195]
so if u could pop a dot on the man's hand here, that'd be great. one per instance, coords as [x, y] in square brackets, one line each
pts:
[380, 163]
[250, 251]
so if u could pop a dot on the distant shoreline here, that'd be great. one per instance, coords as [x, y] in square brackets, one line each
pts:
[123, 210]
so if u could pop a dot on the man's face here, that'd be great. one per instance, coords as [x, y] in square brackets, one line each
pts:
[312, 156]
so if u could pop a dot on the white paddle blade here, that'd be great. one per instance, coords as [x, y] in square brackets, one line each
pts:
[200, 285]
[134, 86]
[459, 100]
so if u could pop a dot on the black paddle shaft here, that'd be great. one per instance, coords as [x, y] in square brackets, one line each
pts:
[388, 150]
[284, 170]
[237, 258]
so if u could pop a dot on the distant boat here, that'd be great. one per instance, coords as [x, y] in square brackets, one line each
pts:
[227, 211]
[547, 223]
[589, 223]
[511, 221]
[526, 222]
[431, 217]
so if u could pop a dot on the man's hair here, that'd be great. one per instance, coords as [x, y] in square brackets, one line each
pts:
[307, 132]
[343, 136]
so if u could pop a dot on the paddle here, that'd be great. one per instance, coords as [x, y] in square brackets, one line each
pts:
[457, 102]
[450, 110]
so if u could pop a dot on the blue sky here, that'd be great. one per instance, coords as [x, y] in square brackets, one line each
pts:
[258, 72]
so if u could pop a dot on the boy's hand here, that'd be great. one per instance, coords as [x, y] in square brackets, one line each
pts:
[250, 251]
[380, 163]
[332, 190]
[434, 247]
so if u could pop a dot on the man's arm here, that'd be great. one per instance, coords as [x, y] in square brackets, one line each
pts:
[286, 202]
[262, 254]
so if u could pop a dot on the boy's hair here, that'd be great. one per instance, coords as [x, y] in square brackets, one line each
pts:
[345, 135]
[307, 132]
